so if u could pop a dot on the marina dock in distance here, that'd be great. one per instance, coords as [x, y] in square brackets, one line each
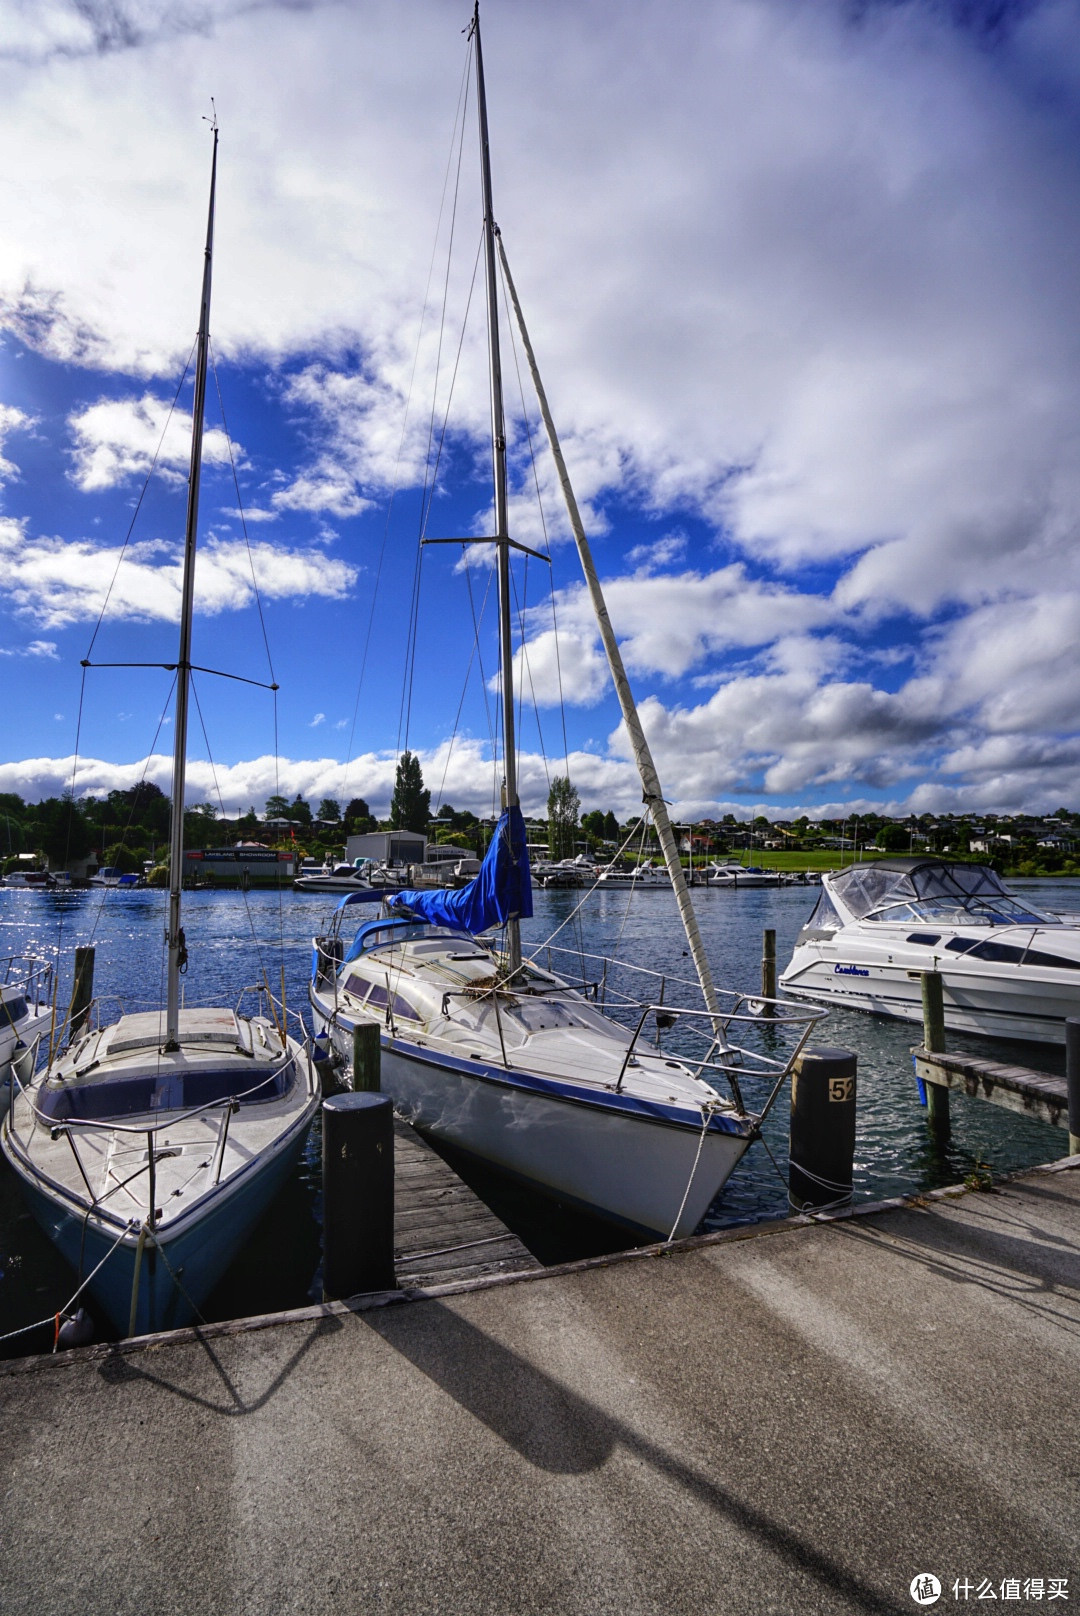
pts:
[798, 1417]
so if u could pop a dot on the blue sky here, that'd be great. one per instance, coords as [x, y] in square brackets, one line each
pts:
[802, 280]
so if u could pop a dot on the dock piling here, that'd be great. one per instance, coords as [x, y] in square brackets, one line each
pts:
[933, 1008]
[82, 993]
[1072, 1080]
[768, 965]
[821, 1150]
[366, 1058]
[358, 1195]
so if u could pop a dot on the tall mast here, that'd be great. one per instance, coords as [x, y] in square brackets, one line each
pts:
[498, 452]
[175, 933]
[650, 780]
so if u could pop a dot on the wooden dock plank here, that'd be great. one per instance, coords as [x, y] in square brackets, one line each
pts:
[443, 1232]
[1016, 1088]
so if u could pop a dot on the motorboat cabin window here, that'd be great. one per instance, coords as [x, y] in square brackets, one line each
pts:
[926, 938]
[824, 917]
[950, 894]
[1010, 953]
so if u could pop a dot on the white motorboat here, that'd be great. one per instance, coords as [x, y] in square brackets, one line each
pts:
[731, 873]
[117, 880]
[342, 878]
[1008, 969]
[571, 872]
[489, 1052]
[149, 1149]
[642, 876]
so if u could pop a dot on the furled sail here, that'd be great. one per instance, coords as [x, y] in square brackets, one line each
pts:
[501, 890]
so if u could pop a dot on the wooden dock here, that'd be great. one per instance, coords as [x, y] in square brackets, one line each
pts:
[1032, 1094]
[443, 1232]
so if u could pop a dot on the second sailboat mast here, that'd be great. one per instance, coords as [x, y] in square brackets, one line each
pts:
[498, 451]
[175, 935]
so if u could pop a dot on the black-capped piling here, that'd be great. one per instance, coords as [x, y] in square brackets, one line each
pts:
[358, 1194]
[821, 1152]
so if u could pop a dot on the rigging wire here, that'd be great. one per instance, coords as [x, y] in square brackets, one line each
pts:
[459, 120]
[243, 518]
[243, 894]
[138, 507]
[511, 328]
[405, 712]
[474, 654]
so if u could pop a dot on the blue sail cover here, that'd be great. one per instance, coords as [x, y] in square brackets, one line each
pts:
[503, 886]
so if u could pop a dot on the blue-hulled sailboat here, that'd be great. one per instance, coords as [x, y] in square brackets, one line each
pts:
[150, 1149]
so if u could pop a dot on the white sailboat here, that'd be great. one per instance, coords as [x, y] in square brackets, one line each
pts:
[491, 1052]
[149, 1150]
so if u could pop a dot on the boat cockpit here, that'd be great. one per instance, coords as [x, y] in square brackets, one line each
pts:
[924, 891]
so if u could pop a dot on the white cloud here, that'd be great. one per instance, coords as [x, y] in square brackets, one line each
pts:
[116, 439]
[11, 420]
[821, 295]
[34, 648]
[55, 582]
[320, 718]
[666, 623]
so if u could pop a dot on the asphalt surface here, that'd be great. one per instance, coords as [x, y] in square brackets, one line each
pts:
[797, 1421]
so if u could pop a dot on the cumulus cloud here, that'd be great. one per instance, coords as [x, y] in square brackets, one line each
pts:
[819, 300]
[11, 420]
[116, 439]
[667, 624]
[34, 648]
[56, 581]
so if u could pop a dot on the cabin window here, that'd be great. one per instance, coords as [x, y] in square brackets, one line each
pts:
[926, 938]
[378, 999]
[1011, 954]
[111, 1100]
[824, 917]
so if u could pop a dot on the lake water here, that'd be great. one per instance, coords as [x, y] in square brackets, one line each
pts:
[233, 939]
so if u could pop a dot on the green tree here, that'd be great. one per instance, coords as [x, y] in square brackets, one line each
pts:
[593, 824]
[63, 831]
[410, 806]
[611, 827]
[893, 838]
[330, 810]
[298, 810]
[277, 807]
[563, 808]
[128, 860]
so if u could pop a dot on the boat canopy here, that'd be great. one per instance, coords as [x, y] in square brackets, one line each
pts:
[502, 888]
[925, 889]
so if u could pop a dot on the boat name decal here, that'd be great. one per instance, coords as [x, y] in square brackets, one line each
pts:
[849, 970]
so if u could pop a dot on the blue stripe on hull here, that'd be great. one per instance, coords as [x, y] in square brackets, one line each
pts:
[199, 1254]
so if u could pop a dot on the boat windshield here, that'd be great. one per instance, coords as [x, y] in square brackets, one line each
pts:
[948, 894]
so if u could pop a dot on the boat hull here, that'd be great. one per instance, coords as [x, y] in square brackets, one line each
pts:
[627, 1165]
[994, 1005]
[198, 1249]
